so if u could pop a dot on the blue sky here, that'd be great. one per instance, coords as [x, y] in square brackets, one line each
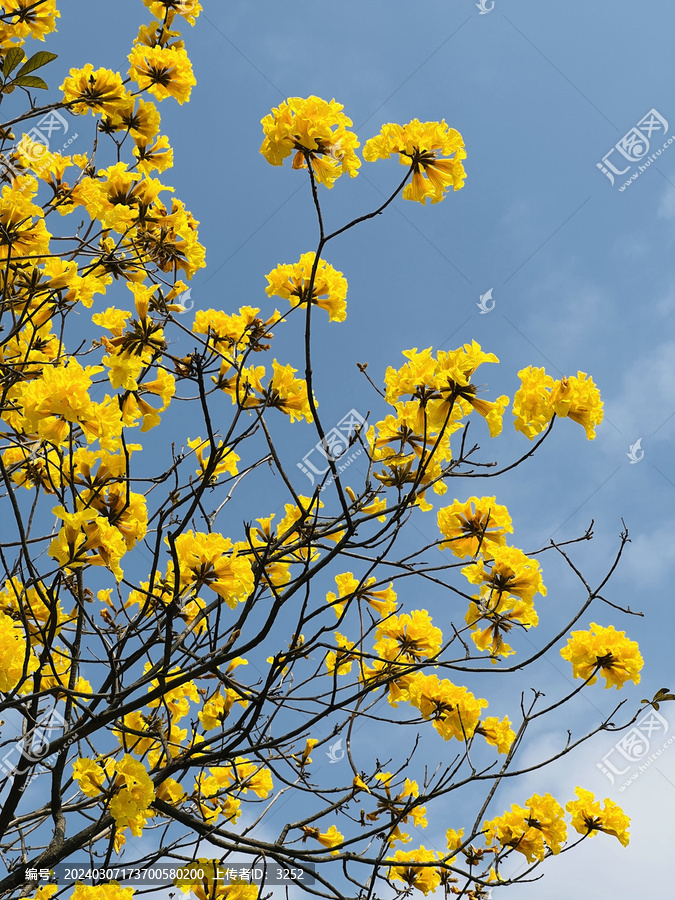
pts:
[579, 273]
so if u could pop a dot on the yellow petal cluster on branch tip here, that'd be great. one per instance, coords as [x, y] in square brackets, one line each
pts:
[15, 652]
[540, 397]
[31, 20]
[292, 282]
[475, 526]
[605, 651]
[162, 71]
[213, 561]
[423, 878]
[433, 150]
[531, 830]
[330, 838]
[317, 131]
[383, 601]
[588, 817]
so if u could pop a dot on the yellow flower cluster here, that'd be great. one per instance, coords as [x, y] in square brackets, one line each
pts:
[530, 830]
[539, 827]
[318, 133]
[218, 793]
[539, 398]
[414, 443]
[25, 18]
[130, 791]
[395, 805]
[382, 601]
[424, 878]
[508, 583]
[603, 650]
[433, 150]
[588, 817]
[16, 657]
[294, 283]
[475, 526]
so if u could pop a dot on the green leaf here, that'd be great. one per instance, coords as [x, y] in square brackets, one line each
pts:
[36, 61]
[12, 59]
[31, 81]
[661, 696]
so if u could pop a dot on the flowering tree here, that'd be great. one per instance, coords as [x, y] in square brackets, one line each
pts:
[134, 732]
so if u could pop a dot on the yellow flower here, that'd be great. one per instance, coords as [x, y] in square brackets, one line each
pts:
[540, 398]
[89, 776]
[532, 405]
[408, 638]
[454, 710]
[163, 71]
[129, 806]
[498, 734]
[87, 539]
[42, 622]
[510, 571]
[500, 613]
[15, 652]
[421, 145]
[22, 228]
[206, 560]
[310, 744]
[341, 661]
[137, 116]
[34, 19]
[291, 282]
[424, 878]
[227, 458]
[171, 792]
[384, 601]
[530, 830]
[60, 397]
[176, 700]
[153, 157]
[287, 393]
[578, 398]
[475, 526]
[588, 817]
[444, 389]
[188, 9]
[606, 650]
[94, 91]
[331, 838]
[317, 131]
[217, 708]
